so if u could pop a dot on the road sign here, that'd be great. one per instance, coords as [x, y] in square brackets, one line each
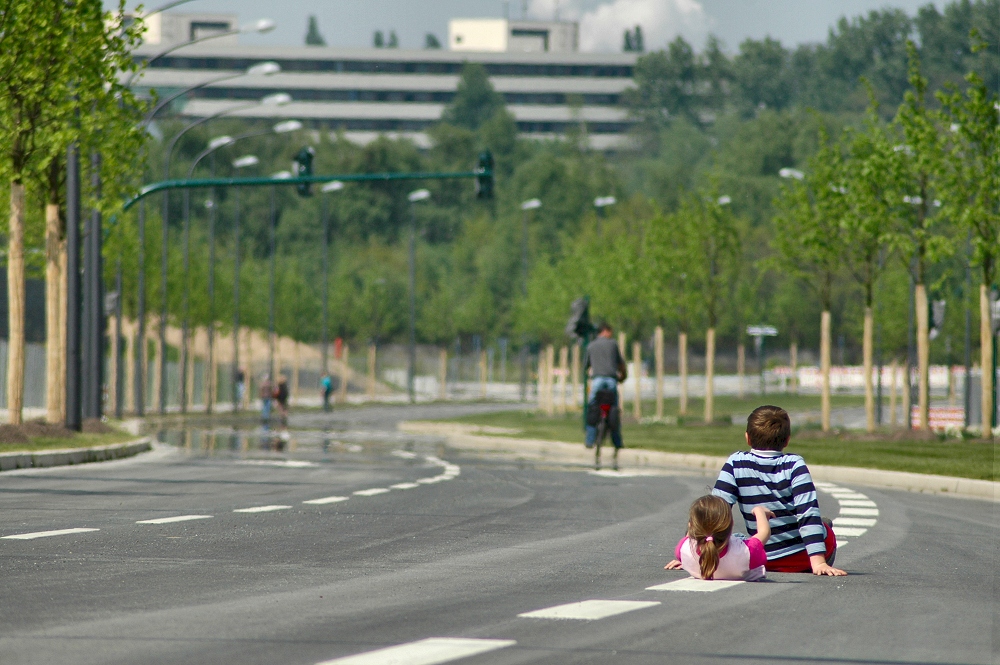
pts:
[762, 331]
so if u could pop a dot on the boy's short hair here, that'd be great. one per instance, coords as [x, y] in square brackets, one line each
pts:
[769, 428]
[604, 325]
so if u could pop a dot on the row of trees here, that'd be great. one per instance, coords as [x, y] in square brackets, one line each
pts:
[878, 199]
[60, 65]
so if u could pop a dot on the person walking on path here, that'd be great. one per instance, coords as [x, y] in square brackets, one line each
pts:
[326, 383]
[266, 393]
[281, 397]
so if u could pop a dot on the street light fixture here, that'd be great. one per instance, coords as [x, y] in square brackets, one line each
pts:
[724, 200]
[328, 188]
[530, 204]
[414, 197]
[791, 173]
[243, 162]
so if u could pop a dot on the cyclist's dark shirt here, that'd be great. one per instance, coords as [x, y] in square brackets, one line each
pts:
[603, 355]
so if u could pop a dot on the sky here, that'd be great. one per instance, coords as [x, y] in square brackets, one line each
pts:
[602, 22]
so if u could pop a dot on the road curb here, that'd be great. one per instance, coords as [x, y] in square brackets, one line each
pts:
[68, 456]
[468, 437]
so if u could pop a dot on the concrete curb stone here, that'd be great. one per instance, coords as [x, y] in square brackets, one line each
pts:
[72, 456]
[469, 437]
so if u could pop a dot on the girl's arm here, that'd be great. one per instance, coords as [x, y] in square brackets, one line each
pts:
[763, 526]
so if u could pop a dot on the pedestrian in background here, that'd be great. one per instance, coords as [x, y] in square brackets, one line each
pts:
[281, 395]
[326, 383]
[266, 393]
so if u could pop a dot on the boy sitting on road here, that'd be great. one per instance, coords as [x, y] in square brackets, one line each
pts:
[801, 541]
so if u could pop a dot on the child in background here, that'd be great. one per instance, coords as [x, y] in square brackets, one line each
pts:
[765, 476]
[710, 551]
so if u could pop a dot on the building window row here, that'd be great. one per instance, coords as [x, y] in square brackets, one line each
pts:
[397, 125]
[439, 97]
[397, 67]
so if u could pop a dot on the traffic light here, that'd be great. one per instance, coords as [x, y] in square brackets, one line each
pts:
[303, 166]
[579, 324]
[484, 177]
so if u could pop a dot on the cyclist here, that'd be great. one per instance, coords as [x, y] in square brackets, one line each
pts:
[607, 368]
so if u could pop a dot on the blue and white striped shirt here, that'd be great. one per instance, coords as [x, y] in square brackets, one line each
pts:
[781, 483]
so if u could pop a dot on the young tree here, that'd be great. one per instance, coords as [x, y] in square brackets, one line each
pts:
[313, 36]
[920, 235]
[810, 239]
[869, 197]
[970, 191]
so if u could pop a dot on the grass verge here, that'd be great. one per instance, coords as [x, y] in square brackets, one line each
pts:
[888, 450]
[62, 441]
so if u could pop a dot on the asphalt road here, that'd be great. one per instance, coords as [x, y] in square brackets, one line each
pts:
[326, 569]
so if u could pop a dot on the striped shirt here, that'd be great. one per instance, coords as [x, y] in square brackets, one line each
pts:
[781, 483]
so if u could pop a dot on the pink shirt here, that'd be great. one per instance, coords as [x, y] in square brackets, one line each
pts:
[740, 560]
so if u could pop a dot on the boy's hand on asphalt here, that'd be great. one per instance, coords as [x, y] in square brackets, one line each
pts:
[673, 565]
[827, 569]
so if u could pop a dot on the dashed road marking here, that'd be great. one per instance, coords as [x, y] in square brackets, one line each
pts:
[430, 651]
[405, 454]
[178, 518]
[288, 464]
[859, 504]
[857, 512]
[261, 509]
[694, 584]
[860, 512]
[372, 492]
[404, 486]
[589, 610]
[327, 499]
[46, 534]
[853, 521]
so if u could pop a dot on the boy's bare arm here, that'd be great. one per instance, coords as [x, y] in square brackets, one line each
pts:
[763, 526]
[821, 567]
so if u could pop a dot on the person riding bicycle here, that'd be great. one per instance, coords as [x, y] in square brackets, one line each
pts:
[607, 368]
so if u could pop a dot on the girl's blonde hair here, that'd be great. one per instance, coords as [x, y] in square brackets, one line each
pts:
[709, 526]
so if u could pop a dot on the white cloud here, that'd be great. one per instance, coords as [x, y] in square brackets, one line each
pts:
[602, 27]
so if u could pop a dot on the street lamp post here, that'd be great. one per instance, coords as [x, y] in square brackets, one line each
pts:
[334, 186]
[241, 163]
[531, 204]
[414, 197]
[272, 370]
[602, 202]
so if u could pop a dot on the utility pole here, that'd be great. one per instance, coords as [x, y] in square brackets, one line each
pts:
[73, 402]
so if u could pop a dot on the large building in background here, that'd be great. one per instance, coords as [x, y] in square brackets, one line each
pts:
[548, 85]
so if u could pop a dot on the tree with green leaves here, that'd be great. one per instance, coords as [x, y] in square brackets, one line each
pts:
[921, 235]
[810, 239]
[869, 197]
[313, 36]
[970, 192]
[475, 101]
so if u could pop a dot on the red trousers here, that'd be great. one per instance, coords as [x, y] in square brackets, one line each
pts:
[799, 562]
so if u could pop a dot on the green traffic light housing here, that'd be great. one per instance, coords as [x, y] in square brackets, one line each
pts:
[484, 175]
[303, 166]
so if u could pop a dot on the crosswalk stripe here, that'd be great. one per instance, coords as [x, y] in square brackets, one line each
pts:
[46, 534]
[694, 584]
[859, 504]
[860, 512]
[850, 532]
[853, 521]
[326, 499]
[178, 518]
[261, 509]
[430, 651]
[851, 496]
[589, 610]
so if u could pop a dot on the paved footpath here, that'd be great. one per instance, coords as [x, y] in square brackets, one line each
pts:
[366, 546]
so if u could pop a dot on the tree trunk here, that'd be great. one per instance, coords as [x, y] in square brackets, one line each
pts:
[682, 368]
[637, 368]
[923, 356]
[55, 372]
[986, 360]
[709, 375]
[824, 368]
[868, 344]
[15, 302]
[61, 338]
[741, 368]
[793, 356]
[658, 358]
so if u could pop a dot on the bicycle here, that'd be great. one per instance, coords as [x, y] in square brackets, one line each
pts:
[605, 408]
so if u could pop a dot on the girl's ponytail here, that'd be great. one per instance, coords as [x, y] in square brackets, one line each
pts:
[710, 525]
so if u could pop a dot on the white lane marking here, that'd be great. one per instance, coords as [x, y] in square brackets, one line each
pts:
[404, 486]
[261, 509]
[853, 521]
[589, 610]
[405, 454]
[288, 464]
[841, 543]
[825, 485]
[694, 584]
[354, 448]
[853, 496]
[860, 504]
[372, 492]
[326, 500]
[608, 473]
[178, 518]
[870, 512]
[46, 534]
[430, 651]
[850, 532]
[430, 481]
